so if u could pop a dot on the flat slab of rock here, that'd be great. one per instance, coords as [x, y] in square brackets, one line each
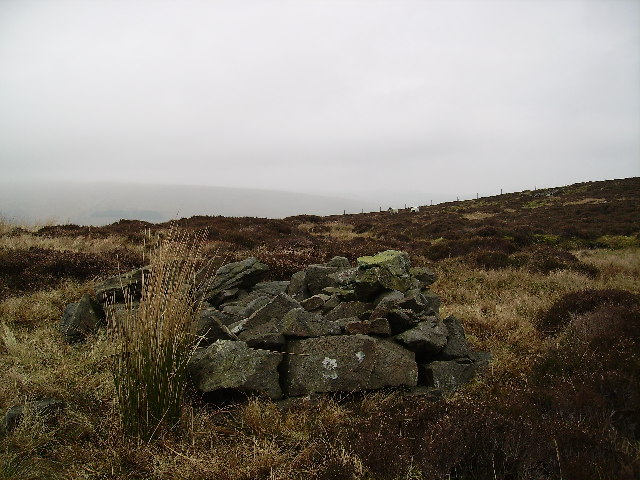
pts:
[457, 345]
[275, 310]
[121, 288]
[214, 325]
[448, 375]
[346, 363]
[272, 288]
[241, 275]
[227, 364]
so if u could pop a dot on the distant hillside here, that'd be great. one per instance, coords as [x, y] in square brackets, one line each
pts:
[105, 203]
[531, 228]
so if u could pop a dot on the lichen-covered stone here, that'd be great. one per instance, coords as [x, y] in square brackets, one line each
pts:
[395, 262]
[228, 364]
[346, 363]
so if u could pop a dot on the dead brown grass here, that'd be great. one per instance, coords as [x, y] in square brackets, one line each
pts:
[540, 413]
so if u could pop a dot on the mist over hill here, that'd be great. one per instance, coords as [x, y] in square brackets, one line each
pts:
[105, 203]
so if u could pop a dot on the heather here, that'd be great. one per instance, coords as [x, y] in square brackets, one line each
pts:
[549, 284]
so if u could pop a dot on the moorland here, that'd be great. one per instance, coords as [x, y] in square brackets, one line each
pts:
[548, 281]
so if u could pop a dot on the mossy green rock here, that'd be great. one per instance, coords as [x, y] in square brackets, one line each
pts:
[372, 281]
[396, 262]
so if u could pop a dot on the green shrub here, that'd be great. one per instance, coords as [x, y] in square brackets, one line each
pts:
[617, 241]
[154, 343]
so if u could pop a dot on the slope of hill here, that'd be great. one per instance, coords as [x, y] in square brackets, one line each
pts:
[104, 203]
[547, 281]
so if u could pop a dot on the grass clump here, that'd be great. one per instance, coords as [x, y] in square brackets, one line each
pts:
[155, 341]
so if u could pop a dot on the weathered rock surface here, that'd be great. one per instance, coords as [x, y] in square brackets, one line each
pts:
[213, 325]
[332, 327]
[81, 319]
[241, 275]
[125, 287]
[272, 311]
[228, 364]
[457, 346]
[348, 309]
[346, 363]
[428, 338]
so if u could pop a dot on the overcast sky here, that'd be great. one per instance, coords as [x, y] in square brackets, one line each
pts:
[321, 96]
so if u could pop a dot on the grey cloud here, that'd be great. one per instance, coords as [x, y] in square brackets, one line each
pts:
[346, 96]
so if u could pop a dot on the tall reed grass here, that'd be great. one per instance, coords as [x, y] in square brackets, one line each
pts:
[155, 341]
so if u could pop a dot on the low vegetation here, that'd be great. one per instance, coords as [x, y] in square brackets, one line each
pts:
[553, 292]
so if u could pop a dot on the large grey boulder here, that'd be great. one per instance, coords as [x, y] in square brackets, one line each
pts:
[346, 363]
[457, 345]
[81, 319]
[388, 270]
[428, 338]
[121, 288]
[448, 375]
[228, 364]
[238, 275]
[319, 277]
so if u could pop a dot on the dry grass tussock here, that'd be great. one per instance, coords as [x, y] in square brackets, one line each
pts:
[500, 307]
[478, 215]
[43, 307]
[155, 341]
[81, 244]
[337, 230]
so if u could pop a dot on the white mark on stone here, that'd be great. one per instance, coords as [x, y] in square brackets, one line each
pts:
[360, 356]
[330, 364]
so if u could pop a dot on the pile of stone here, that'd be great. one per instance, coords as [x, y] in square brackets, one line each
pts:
[333, 327]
